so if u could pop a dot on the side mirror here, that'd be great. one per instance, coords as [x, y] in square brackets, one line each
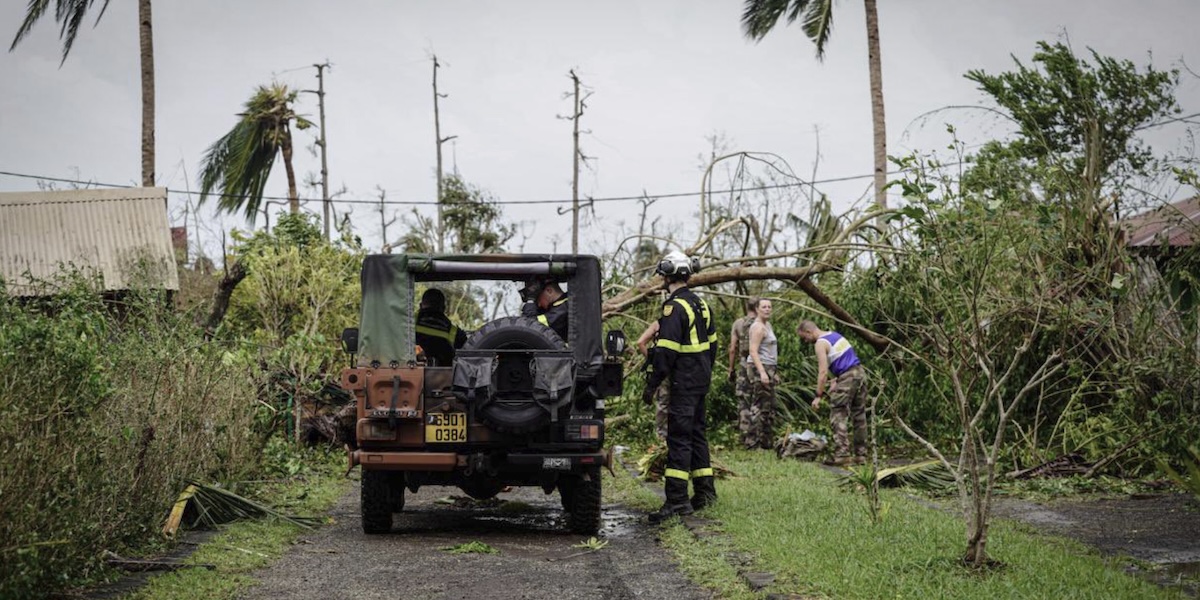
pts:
[350, 340]
[615, 343]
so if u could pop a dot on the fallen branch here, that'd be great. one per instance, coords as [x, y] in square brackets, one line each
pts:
[139, 565]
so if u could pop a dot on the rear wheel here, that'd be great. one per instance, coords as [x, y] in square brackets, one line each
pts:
[506, 413]
[583, 516]
[381, 494]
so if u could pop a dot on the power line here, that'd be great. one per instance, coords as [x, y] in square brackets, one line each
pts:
[376, 202]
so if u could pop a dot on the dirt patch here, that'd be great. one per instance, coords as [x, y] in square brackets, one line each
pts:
[1163, 530]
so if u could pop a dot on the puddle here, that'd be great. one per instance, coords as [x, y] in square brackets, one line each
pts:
[1187, 570]
[617, 521]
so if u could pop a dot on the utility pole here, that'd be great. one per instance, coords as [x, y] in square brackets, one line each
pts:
[580, 103]
[437, 132]
[320, 92]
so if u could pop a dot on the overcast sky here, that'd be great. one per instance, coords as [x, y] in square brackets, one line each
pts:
[665, 74]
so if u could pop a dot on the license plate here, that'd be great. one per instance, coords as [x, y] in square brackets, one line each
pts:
[556, 463]
[442, 428]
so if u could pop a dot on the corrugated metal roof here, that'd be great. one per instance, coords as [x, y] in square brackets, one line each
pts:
[121, 234]
[1174, 224]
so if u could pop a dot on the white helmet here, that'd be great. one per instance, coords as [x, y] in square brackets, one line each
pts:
[677, 264]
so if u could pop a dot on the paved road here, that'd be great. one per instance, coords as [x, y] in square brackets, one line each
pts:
[536, 559]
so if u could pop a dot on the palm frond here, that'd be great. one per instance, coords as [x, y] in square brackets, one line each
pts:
[926, 475]
[240, 162]
[818, 24]
[33, 12]
[759, 17]
[68, 13]
[211, 506]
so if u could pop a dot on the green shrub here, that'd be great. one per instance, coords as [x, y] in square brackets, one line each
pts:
[106, 408]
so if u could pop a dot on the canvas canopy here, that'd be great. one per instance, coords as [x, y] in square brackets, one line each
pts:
[386, 332]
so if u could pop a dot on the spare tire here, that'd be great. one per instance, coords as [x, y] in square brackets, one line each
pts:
[514, 414]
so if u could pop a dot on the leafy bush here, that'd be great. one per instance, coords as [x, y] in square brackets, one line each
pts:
[108, 407]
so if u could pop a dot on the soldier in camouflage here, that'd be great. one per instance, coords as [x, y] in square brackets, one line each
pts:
[847, 393]
[739, 349]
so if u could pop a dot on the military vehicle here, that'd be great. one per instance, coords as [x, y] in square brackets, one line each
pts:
[517, 406]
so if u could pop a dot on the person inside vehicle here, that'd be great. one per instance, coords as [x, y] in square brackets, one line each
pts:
[436, 335]
[546, 301]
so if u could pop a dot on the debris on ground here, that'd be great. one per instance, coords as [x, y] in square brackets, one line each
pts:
[468, 502]
[470, 548]
[207, 506]
[141, 564]
[1063, 466]
[801, 446]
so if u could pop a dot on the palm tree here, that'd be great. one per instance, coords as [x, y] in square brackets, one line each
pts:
[759, 17]
[70, 14]
[240, 162]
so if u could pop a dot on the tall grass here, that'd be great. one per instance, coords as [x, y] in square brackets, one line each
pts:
[106, 408]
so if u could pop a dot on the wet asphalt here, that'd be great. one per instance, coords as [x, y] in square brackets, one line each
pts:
[536, 560]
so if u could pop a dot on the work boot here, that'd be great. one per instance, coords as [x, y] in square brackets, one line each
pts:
[670, 510]
[705, 492]
[839, 461]
[703, 501]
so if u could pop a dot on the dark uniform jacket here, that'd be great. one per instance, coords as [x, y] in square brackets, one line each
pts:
[686, 344]
[556, 316]
[438, 337]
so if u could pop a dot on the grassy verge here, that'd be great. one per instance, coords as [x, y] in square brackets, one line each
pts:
[792, 519]
[245, 546]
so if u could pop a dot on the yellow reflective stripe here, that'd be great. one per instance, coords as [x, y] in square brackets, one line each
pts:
[682, 348]
[687, 308]
[543, 320]
[707, 472]
[445, 335]
[696, 346]
[561, 301]
[676, 473]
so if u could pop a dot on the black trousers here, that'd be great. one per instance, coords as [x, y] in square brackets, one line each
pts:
[687, 448]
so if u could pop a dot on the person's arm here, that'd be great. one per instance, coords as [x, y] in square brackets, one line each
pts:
[643, 341]
[757, 332]
[733, 344]
[822, 348]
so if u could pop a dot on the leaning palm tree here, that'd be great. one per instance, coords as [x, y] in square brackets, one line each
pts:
[240, 162]
[70, 14]
[759, 17]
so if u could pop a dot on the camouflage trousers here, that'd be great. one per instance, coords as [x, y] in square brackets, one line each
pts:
[741, 384]
[848, 401]
[662, 397]
[756, 418]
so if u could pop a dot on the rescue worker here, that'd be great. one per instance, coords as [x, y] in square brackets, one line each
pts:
[546, 301]
[847, 392]
[436, 335]
[739, 371]
[684, 353]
